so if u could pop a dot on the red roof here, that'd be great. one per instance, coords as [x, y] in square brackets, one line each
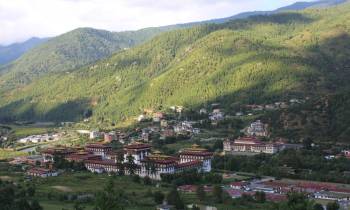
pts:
[238, 184]
[39, 171]
[82, 156]
[165, 161]
[189, 164]
[196, 153]
[276, 197]
[102, 162]
[138, 146]
[97, 146]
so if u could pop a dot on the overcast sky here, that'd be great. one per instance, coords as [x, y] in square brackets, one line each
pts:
[22, 19]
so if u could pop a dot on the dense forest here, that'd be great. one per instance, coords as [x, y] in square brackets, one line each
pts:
[260, 59]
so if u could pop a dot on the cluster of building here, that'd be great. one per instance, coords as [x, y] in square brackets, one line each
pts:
[39, 138]
[279, 189]
[169, 129]
[100, 158]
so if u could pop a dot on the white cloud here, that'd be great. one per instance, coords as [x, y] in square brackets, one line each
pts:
[22, 19]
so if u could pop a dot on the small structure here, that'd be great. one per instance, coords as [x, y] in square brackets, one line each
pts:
[41, 172]
[94, 134]
[164, 206]
[257, 129]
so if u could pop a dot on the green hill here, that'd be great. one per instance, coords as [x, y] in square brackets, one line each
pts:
[12, 52]
[256, 60]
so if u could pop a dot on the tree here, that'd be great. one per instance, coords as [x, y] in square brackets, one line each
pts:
[131, 164]
[217, 194]
[333, 206]
[174, 199]
[36, 206]
[195, 207]
[158, 197]
[147, 180]
[201, 193]
[78, 206]
[318, 206]
[120, 164]
[31, 191]
[299, 201]
[108, 199]
[260, 197]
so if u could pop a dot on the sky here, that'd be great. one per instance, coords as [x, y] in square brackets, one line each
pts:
[23, 19]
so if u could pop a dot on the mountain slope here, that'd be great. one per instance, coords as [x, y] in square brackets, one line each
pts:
[257, 60]
[12, 52]
[84, 46]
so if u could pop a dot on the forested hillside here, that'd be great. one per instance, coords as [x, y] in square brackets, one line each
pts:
[14, 51]
[256, 60]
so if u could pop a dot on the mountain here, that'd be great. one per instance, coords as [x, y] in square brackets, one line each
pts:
[262, 59]
[295, 7]
[12, 52]
[83, 46]
[68, 52]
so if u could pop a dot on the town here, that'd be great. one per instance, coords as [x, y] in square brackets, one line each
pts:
[141, 152]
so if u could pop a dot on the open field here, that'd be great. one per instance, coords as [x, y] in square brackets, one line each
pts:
[27, 130]
[7, 154]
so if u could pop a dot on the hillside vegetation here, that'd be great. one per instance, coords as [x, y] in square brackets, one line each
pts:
[256, 60]
[12, 52]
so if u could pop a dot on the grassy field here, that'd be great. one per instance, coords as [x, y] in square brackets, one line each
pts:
[27, 130]
[50, 192]
[8, 154]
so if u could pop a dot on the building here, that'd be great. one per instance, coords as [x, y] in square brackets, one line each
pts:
[95, 134]
[98, 149]
[195, 153]
[156, 164]
[164, 206]
[257, 129]
[50, 153]
[41, 172]
[82, 157]
[101, 166]
[250, 145]
[111, 136]
[216, 115]
[138, 151]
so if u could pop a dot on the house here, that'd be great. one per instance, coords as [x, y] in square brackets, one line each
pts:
[41, 172]
[49, 153]
[141, 118]
[216, 115]
[203, 111]
[109, 137]
[257, 128]
[164, 206]
[239, 185]
[164, 123]
[158, 116]
[239, 114]
[95, 134]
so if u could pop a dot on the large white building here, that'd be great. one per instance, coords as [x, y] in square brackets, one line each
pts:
[150, 164]
[250, 145]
